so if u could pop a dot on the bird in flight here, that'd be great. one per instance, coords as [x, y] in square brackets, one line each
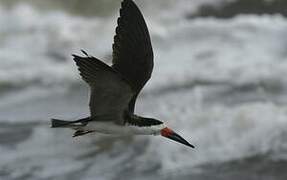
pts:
[114, 89]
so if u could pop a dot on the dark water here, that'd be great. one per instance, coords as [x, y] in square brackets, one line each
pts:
[230, 9]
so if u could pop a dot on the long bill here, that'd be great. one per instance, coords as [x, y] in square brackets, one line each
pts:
[168, 133]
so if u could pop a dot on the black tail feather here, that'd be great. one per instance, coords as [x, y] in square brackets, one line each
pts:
[60, 123]
[57, 123]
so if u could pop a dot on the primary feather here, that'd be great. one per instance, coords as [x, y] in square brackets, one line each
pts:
[132, 49]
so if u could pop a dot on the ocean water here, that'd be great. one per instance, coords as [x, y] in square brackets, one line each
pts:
[220, 83]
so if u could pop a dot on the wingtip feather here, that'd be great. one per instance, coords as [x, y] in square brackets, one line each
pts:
[84, 52]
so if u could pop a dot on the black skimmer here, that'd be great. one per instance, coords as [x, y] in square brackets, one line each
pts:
[114, 89]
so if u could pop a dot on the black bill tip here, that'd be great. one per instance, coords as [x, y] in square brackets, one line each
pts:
[180, 139]
[168, 133]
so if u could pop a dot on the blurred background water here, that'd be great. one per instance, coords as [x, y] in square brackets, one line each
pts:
[219, 80]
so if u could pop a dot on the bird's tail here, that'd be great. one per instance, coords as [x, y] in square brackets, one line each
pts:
[57, 123]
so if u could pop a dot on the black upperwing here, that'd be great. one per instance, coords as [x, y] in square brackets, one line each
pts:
[132, 49]
[110, 94]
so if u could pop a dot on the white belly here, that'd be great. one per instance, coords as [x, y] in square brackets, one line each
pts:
[112, 128]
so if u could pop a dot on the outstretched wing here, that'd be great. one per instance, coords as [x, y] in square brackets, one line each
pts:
[110, 94]
[132, 50]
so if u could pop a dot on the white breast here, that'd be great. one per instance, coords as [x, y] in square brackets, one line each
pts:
[112, 128]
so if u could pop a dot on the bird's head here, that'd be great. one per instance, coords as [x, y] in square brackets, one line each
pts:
[158, 127]
[168, 133]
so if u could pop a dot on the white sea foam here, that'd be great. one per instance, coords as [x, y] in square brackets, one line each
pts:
[220, 133]
[242, 50]
[36, 47]
[35, 50]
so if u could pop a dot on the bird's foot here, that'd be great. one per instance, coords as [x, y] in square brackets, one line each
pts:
[81, 133]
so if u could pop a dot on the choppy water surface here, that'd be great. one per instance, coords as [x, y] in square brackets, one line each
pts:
[221, 83]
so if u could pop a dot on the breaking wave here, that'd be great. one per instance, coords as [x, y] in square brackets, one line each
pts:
[218, 82]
